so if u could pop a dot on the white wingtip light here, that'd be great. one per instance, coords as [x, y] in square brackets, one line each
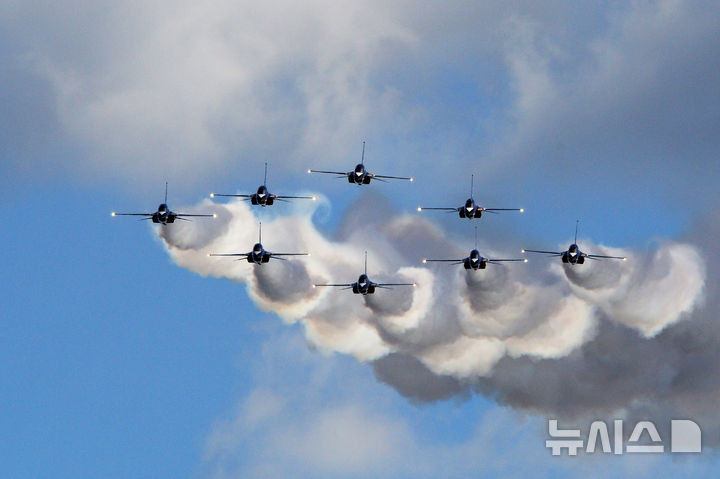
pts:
[525, 260]
[214, 215]
[412, 179]
[314, 286]
[310, 171]
[522, 250]
[414, 285]
[314, 198]
[419, 208]
[112, 214]
[309, 254]
[522, 210]
[212, 195]
[209, 254]
[625, 258]
[424, 260]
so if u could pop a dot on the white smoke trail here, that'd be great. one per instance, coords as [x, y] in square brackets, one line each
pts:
[649, 294]
[456, 322]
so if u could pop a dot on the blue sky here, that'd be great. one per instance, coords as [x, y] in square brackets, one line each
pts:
[118, 362]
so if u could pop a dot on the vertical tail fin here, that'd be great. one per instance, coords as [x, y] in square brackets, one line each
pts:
[166, 192]
[576, 228]
[265, 178]
[472, 178]
[362, 158]
[365, 262]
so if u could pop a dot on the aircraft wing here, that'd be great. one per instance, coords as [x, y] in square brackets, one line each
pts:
[181, 216]
[296, 197]
[335, 284]
[132, 214]
[420, 208]
[558, 253]
[277, 255]
[385, 285]
[521, 210]
[213, 195]
[409, 178]
[229, 254]
[455, 261]
[343, 173]
[599, 256]
[524, 260]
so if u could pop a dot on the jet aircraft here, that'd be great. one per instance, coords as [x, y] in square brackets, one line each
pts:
[470, 209]
[259, 255]
[475, 260]
[360, 176]
[363, 285]
[163, 215]
[263, 197]
[573, 255]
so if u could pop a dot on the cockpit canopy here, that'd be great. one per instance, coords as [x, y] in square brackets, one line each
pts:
[262, 191]
[257, 248]
[573, 249]
[359, 169]
[363, 280]
[163, 208]
[475, 255]
[469, 204]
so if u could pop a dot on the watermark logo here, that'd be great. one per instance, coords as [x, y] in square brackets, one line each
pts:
[685, 436]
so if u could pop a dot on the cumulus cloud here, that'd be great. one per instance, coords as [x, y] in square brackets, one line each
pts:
[188, 87]
[280, 428]
[180, 89]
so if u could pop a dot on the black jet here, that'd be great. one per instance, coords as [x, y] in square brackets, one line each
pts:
[474, 261]
[470, 209]
[573, 255]
[259, 255]
[263, 197]
[163, 215]
[360, 176]
[363, 285]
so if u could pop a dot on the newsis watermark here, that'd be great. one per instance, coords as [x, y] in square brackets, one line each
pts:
[685, 436]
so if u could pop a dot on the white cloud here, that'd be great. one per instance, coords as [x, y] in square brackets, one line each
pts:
[319, 416]
[189, 87]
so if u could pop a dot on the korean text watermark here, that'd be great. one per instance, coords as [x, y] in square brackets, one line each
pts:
[684, 436]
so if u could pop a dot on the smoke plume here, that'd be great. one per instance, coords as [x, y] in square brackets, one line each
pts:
[544, 336]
